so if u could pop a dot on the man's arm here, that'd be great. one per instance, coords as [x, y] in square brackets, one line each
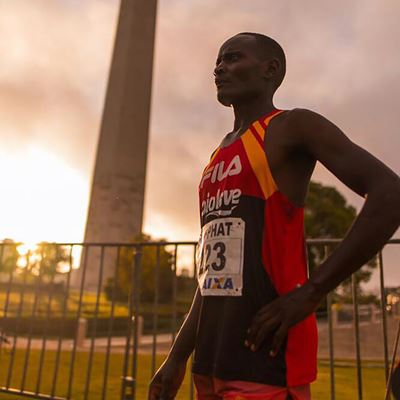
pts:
[185, 339]
[376, 223]
[167, 380]
[367, 176]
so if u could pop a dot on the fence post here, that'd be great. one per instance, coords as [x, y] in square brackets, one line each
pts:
[335, 315]
[128, 387]
[356, 324]
[139, 329]
[81, 331]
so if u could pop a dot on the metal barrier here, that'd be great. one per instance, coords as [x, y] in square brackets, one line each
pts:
[83, 321]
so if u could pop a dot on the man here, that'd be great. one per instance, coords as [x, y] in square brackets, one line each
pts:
[251, 323]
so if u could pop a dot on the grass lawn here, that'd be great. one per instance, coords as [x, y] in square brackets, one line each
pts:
[56, 307]
[346, 389]
[57, 304]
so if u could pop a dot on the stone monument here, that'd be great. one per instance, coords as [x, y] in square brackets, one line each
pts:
[117, 194]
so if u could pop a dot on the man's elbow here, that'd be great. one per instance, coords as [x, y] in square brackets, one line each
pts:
[390, 197]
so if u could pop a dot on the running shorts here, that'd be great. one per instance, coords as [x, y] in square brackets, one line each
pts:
[215, 389]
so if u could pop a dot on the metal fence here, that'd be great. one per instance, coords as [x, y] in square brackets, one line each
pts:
[94, 321]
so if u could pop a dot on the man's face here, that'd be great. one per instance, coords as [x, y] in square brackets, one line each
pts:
[239, 71]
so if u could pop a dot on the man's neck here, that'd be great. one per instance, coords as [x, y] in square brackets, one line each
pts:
[248, 112]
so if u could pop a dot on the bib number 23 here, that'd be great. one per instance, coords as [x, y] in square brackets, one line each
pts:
[219, 248]
[220, 257]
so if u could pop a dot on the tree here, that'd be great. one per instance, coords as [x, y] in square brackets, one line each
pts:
[328, 215]
[44, 259]
[120, 290]
[50, 260]
[9, 256]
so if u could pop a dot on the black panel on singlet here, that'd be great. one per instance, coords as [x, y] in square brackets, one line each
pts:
[220, 351]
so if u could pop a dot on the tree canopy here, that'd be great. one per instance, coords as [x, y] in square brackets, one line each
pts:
[328, 215]
[151, 256]
[44, 259]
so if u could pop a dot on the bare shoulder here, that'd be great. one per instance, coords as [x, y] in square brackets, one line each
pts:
[298, 126]
[311, 130]
[325, 142]
[305, 121]
[297, 120]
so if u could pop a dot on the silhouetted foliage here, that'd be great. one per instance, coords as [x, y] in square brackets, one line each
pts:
[151, 256]
[45, 259]
[328, 215]
[48, 260]
[9, 256]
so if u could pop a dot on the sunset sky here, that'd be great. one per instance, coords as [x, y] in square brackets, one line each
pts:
[343, 62]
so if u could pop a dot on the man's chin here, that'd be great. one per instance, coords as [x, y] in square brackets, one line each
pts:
[224, 100]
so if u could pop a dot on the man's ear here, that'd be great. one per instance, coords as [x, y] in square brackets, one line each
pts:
[272, 68]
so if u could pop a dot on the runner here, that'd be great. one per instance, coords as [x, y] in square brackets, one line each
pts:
[251, 324]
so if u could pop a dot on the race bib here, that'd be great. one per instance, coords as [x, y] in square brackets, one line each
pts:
[220, 257]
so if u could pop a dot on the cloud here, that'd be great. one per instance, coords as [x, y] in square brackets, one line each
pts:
[53, 74]
[342, 62]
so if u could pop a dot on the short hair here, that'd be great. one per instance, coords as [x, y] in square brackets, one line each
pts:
[270, 47]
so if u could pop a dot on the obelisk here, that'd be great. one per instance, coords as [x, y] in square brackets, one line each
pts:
[117, 195]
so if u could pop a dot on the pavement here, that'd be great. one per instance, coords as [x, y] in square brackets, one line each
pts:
[161, 342]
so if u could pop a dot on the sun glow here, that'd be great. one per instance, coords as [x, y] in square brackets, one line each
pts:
[43, 199]
[26, 248]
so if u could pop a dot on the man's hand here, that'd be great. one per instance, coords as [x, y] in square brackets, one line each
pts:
[167, 380]
[278, 316]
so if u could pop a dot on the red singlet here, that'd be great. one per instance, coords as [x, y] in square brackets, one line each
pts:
[251, 250]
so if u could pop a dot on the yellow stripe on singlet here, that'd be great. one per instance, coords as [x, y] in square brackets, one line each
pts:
[258, 161]
[257, 157]
[268, 119]
[259, 129]
[213, 156]
[211, 160]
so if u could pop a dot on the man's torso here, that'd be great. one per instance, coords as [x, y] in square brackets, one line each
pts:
[251, 251]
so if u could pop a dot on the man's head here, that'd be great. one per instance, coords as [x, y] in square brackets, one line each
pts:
[248, 65]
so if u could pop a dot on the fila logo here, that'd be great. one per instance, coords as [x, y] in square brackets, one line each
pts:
[217, 172]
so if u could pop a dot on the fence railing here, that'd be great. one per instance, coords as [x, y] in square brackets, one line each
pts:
[94, 320]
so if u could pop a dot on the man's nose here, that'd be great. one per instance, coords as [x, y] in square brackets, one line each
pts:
[219, 69]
